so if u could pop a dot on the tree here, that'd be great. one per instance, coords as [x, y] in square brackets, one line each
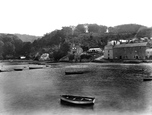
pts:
[18, 46]
[94, 28]
[26, 49]
[9, 49]
[125, 28]
[79, 29]
[61, 52]
[1, 49]
[57, 38]
[67, 31]
[65, 48]
[144, 32]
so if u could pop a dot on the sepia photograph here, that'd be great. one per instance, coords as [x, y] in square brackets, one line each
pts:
[75, 57]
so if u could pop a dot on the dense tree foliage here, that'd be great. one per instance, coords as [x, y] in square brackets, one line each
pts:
[26, 49]
[94, 28]
[126, 28]
[58, 42]
[10, 46]
[8, 49]
[1, 49]
[144, 32]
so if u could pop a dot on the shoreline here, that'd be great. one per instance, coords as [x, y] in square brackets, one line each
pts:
[122, 61]
[94, 61]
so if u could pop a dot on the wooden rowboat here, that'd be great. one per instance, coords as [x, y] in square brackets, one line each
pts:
[18, 69]
[35, 67]
[77, 100]
[73, 72]
[76, 72]
[1, 71]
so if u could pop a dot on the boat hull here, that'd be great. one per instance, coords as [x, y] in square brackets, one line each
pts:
[35, 67]
[70, 73]
[147, 79]
[77, 100]
[18, 69]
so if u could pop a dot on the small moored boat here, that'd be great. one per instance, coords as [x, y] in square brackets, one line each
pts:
[132, 61]
[77, 100]
[73, 72]
[18, 69]
[35, 67]
[4, 70]
[1, 70]
[147, 79]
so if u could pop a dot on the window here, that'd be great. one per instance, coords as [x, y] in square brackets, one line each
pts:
[136, 57]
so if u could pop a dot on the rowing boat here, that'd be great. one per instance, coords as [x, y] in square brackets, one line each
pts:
[18, 69]
[35, 67]
[77, 100]
[73, 72]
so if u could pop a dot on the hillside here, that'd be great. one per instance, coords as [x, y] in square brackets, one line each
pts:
[27, 38]
[58, 42]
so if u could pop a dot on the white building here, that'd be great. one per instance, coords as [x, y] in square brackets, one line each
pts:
[44, 56]
[95, 50]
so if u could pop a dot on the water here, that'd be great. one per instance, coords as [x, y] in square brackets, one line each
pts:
[118, 89]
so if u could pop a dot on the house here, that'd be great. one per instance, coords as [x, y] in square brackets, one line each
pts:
[108, 52]
[149, 53]
[126, 51]
[44, 57]
[95, 50]
[22, 57]
[76, 50]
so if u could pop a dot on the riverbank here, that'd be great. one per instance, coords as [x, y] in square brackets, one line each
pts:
[27, 61]
[96, 61]
[121, 61]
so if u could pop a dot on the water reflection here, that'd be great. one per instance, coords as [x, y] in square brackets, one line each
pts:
[116, 87]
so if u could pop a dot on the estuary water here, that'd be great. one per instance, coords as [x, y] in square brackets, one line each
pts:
[118, 88]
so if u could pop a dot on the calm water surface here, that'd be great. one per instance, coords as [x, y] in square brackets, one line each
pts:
[118, 89]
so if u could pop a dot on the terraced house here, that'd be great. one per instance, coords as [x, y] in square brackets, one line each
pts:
[128, 51]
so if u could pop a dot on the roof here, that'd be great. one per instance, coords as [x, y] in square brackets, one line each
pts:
[149, 49]
[99, 49]
[131, 45]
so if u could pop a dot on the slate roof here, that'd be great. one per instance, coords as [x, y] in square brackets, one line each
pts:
[131, 45]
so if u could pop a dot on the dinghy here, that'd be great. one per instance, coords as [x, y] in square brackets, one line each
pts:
[77, 100]
[73, 72]
[35, 67]
[18, 69]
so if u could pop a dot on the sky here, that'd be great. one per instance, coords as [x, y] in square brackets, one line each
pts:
[38, 17]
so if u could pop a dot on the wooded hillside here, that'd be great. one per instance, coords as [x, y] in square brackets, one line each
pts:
[58, 42]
